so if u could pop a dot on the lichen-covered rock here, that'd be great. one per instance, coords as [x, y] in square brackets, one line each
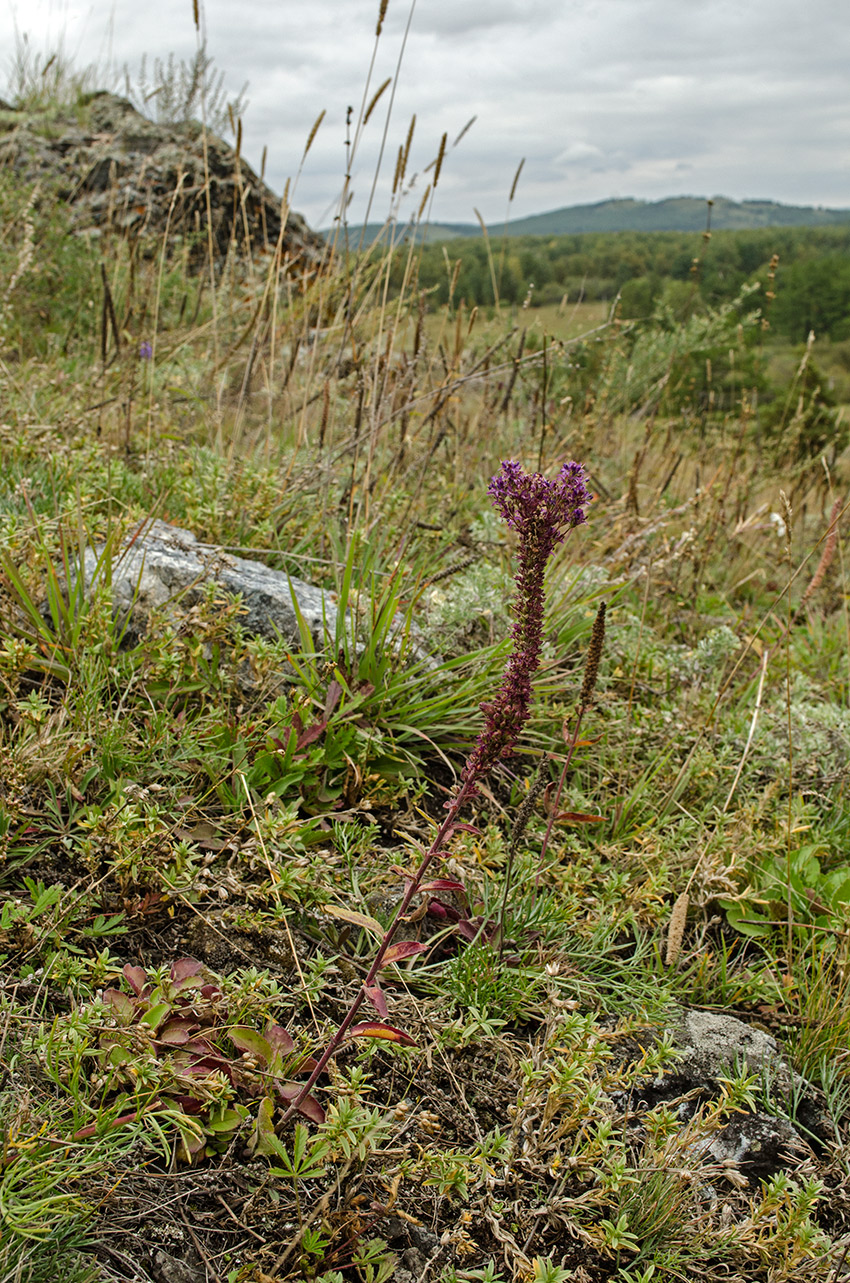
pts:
[774, 1126]
[713, 1044]
[117, 169]
[161, 565]
[759, 1144]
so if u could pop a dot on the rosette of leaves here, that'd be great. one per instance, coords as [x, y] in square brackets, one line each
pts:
[817, 898]
[174, 1038]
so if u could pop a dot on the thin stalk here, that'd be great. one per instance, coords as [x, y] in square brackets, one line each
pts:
[466, 791]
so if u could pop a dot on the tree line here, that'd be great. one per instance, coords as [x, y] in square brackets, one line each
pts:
[809, 290]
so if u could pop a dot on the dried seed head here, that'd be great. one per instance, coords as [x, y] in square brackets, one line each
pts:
[787, 515]
[382, 13]
[523, 815]
[676, 930]
[439, 161]
[594, 654]
[826, 556]
[516, 180]
[373, 104]
[313, 132]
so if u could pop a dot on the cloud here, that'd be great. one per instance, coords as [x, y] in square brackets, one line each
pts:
[636, 96]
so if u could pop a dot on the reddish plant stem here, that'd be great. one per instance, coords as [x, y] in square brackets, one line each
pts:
[464, 793]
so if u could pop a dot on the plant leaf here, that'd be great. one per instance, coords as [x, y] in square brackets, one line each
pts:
[185, 967]
[280, 1040]
[375, 1029]
[122, 1006]
[251, 1041]
[264, 1140]
[309, 1106]
[443, 884]
[136, 978]
[375, 994]
[177, 1032]
[154, 1016]
[351, 915]
[404, 949]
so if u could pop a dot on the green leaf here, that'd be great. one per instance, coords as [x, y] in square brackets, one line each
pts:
[251, 1041]
[154, 1017]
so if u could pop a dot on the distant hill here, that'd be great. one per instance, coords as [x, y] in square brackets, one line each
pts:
[675, 214]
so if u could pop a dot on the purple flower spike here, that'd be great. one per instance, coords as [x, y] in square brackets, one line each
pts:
[146, 350]
[541, 512]
[527, 501]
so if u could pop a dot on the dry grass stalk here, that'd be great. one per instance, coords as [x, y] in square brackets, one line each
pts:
[754, 722]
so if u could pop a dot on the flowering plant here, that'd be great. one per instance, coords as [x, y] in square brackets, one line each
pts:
[542, 513]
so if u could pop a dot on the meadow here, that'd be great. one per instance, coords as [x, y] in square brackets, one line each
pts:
[205, 835]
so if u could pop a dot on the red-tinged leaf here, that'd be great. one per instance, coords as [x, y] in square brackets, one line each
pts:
[249, 1040]
[443, 884]
[211, 991]
[375, 994]
[191, 1146]
[439, 909]
[122, 1006]
[332, 698]
[309, 1106]
[199, 1047]
[200, 1068]
[280, 1040]
[374, 1029]
[398, 952]
[136, 978]
[185, 967]
[177, 1032]
[466, 929]
[310, 735]
[579, 817]
[466, 828]
[189, 1105]
[588, 743]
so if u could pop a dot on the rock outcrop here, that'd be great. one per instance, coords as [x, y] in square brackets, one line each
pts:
[117, 169]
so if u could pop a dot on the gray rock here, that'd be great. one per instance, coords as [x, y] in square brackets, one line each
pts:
[714, 1043]
[162, 566]
[758, 1143]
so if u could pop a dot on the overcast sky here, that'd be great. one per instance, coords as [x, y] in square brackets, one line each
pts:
[645, 98]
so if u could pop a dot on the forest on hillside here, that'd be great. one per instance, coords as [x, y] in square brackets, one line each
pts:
[809, 288]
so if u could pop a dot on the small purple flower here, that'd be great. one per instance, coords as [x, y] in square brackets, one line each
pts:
[541, 512]
[145, 350]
